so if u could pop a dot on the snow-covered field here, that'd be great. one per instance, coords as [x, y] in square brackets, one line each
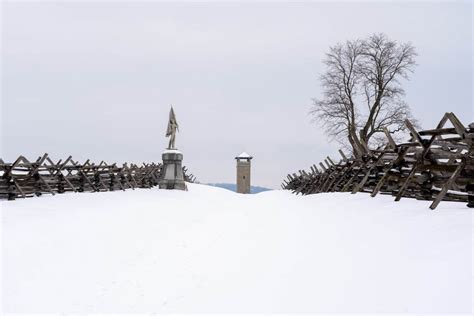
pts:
[212, 250]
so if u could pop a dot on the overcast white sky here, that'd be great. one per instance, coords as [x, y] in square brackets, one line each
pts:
[96, 79]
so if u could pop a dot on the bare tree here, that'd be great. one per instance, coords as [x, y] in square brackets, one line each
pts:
[362, 94]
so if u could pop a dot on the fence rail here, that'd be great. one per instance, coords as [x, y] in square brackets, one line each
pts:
[23, 178]
[436, 164]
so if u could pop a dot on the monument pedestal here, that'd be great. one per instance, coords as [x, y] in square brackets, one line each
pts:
[172, 177]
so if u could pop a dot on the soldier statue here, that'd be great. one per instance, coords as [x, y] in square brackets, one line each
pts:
[172, 177]
[172, 128]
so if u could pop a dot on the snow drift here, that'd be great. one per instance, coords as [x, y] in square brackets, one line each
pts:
[212, 250]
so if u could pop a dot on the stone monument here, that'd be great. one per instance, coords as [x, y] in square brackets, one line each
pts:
[243, 173]
[172, 177]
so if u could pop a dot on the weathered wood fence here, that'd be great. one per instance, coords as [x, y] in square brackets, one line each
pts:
[435, 165]
[23, 178]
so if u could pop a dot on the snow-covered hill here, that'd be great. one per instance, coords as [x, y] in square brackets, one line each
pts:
[233, 187]
[211, 250]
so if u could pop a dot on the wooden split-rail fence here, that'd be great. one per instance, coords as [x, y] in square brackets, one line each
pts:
[436, 165]
[24, 178]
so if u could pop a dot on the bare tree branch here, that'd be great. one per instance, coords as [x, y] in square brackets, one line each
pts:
[364, 72]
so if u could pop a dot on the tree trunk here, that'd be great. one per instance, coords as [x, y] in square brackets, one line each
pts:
[357, 147]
